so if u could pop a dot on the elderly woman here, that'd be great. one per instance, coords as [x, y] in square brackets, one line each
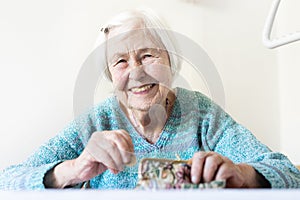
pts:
[147, 118]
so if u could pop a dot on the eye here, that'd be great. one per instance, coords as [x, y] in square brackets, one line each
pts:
[147, 56]
[120, 61]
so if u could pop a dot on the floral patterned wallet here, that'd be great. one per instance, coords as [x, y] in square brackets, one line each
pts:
[169, 174]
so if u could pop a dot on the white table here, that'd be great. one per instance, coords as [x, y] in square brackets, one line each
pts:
[223, 194]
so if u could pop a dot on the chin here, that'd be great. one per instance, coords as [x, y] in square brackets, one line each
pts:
[146, 104]
[140, 107]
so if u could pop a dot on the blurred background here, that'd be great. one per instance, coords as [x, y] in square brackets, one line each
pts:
[44, 43]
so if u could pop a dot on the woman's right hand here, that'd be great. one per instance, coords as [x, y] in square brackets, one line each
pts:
[105, 150]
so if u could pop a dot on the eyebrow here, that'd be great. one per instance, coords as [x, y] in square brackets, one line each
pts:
[117, 55]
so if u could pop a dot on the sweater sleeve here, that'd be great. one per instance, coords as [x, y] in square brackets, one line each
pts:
[220, 133]
[66, 145]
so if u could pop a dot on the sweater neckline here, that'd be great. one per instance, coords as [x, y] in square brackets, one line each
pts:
[165, 133]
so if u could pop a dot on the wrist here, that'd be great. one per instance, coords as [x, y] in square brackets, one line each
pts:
[252, 178]
[61, 176]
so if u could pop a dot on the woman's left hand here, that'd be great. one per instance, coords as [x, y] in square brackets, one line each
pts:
[209, 166]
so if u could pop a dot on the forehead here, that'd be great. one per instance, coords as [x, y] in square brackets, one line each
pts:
[133, 40]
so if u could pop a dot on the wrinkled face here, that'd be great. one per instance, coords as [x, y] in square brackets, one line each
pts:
[140, 69]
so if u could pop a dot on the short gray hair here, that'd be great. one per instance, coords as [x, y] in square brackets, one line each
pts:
[149, 20]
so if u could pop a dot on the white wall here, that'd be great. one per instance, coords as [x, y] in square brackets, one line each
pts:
[289, 72]
[44, 43]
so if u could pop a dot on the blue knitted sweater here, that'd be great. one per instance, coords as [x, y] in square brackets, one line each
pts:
[195, 124]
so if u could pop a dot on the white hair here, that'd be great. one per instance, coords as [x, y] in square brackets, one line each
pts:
[144, 18]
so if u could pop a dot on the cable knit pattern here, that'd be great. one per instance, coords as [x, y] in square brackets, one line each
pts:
[196, 123]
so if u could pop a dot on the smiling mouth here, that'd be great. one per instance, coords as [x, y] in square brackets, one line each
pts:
[142, 88]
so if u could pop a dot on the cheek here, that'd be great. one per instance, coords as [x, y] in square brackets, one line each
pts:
[119, 79]
[161, 73]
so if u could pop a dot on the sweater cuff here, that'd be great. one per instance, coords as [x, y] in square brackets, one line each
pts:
[271, 174]
[35, 178]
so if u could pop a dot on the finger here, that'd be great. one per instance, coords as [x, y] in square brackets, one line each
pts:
[106, 152]
[113, 151]
[128, 139]
[125, 149]
[230, 173]
[211, 165]
[197, 166]
[100, 155]
[128, 150]
[224, 172]
[114, 171]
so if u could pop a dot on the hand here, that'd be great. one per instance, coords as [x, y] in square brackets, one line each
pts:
[105, 150]
[209, 166]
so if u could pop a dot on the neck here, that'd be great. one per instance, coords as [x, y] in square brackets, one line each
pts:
[150, 123]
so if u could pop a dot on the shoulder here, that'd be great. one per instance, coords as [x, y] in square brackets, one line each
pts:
[104, 107]
[94, 119]
[193, 98]
[99, 113]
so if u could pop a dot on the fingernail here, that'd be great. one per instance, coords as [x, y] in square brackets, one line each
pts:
[127, 160]
[132, 161]
[114, 171]
[194, 179]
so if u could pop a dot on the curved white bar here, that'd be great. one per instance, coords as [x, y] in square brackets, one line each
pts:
[289, 38]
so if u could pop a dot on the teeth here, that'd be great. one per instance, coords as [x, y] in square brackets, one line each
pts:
[141, 89]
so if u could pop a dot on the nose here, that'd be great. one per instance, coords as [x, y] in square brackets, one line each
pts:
[136, 70]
